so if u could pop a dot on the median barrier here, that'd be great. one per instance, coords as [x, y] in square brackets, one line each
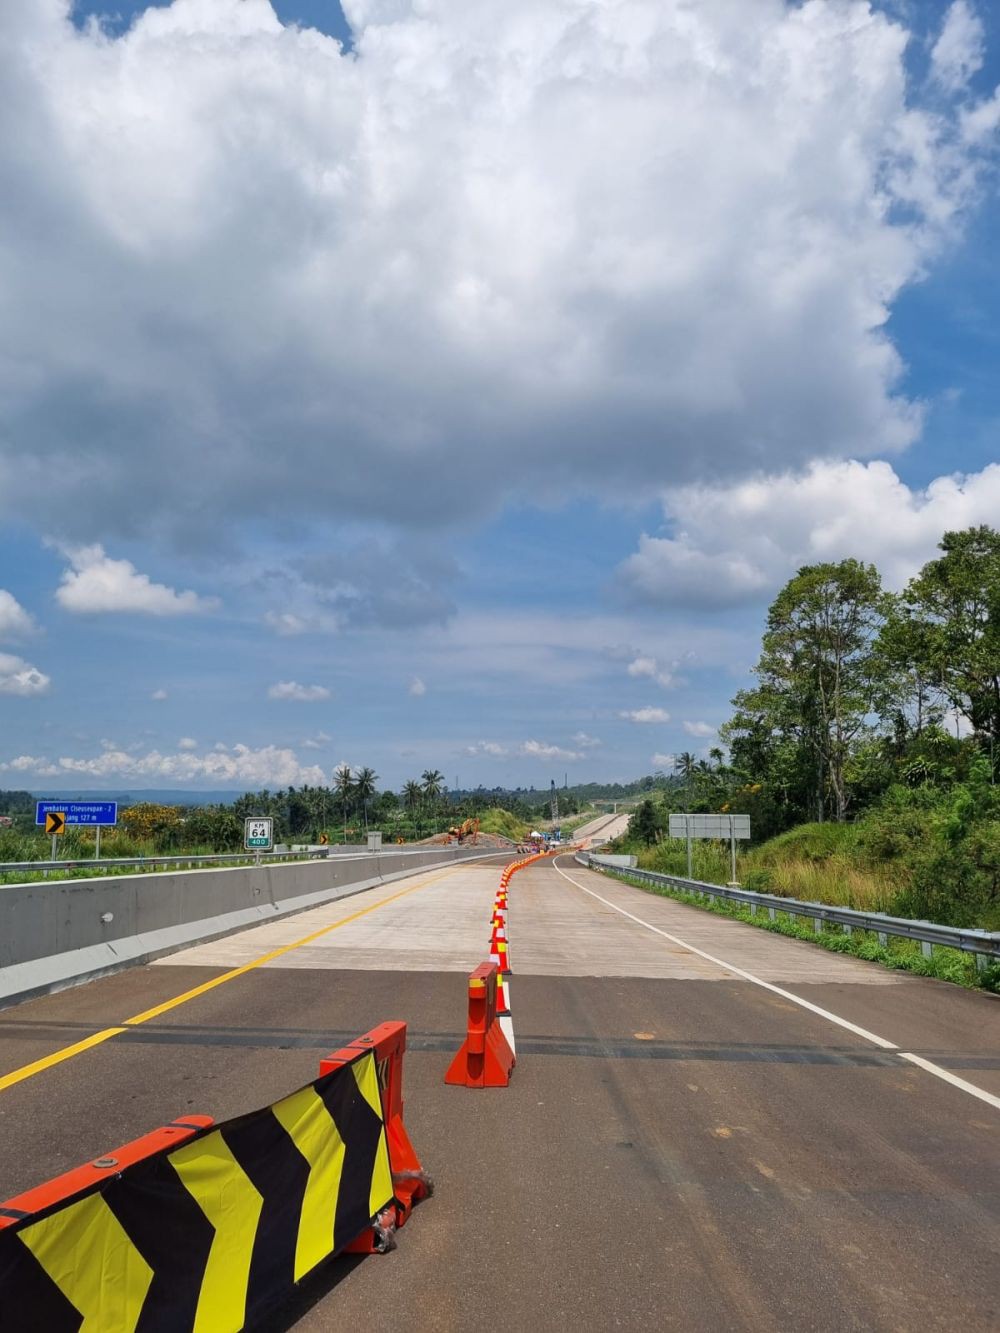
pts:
[485, 1059]
[54, 933]
[209, 1227]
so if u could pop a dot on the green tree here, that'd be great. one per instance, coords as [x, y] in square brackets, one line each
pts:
[947, 631]
[819, 677]
[343, 785]
[644, 825]
[364, 789]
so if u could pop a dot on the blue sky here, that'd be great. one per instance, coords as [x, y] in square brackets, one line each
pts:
[458, 392]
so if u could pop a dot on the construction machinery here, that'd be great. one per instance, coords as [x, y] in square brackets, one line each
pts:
[467, 831]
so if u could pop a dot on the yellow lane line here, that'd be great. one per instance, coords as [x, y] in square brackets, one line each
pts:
[67, 1053]
[163, 1008]
[47, 1061]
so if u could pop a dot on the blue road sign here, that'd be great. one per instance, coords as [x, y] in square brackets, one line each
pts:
[103, 813]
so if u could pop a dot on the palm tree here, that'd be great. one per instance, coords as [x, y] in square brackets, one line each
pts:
[344, 786]
[364, 788]
[686, 765]
[433, 783]
[413, 795]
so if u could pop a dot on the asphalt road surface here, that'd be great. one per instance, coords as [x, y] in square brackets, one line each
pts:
[709, 1127]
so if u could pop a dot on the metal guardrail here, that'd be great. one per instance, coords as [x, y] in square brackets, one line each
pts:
[209, 859]
[983, 944]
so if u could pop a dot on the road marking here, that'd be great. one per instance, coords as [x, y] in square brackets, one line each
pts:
[739, 971]
[47, 1061]
[873, 1037]
[67, 1053]
[275, 953]
[953, 1079]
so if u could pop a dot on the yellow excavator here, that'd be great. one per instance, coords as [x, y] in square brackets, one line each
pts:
[469, 830]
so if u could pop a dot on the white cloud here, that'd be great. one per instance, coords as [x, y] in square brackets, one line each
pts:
[97, 584]
[701, 729]
[664, 761]
[238, 765]
[508, 222]
[539, 750]
[490, 749]
[29, 763]
[21, 678]
[187, 743]
[304, 694]
[958, 52]
[646, 715]
[286, 623]
[584, 742]
[741, 542]
[159, 695]
[317, 742]
[15, 622]
[649, 668]
[417, 688]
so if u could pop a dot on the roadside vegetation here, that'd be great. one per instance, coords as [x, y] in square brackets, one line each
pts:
[867, 755]
[342, 813]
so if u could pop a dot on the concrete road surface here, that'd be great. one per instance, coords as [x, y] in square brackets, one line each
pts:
[709, 1127]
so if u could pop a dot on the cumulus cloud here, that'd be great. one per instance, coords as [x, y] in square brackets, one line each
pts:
[540, 750]
[489, 749]
[309, 278]
[417, 688]
[303, 694]
[663, 761]
[645, 715]
[21, 678]
[238, 765]
[584, 742]
[96, 583]
[701, 729]
[958, 52]
[15, 622]
[317, 742]
[187, 743]
[648, 668]
[159, 695]
[741, 542]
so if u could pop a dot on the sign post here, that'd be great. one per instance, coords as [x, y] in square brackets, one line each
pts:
[57, 816]
[728, 826]
[258, 835]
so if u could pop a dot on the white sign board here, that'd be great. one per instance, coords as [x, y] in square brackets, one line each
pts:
[258, 834]
[374, 842]
[724, 827]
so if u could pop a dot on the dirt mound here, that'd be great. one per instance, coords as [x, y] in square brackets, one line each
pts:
[496, 840]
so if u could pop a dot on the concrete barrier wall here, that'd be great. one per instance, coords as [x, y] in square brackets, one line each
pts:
[56, 932]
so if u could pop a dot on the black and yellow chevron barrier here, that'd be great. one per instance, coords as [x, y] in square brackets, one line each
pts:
[209, 1235]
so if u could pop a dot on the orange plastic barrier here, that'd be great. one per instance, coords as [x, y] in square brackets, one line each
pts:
[410, 1182]
[485, 1060]
[101, 1169]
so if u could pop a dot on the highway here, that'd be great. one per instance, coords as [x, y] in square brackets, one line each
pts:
[708, 1127]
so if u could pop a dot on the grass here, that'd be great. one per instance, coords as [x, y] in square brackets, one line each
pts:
[815, 863]
[905, 955]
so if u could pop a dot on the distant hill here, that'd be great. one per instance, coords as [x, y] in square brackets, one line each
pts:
[157, 795]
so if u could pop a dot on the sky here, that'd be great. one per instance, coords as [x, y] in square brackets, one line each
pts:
[440, 384]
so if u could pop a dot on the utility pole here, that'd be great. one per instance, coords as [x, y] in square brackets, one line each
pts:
[553, 802]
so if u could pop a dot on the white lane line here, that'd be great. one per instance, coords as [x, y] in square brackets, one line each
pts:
[953, 1079]
[873, 1037]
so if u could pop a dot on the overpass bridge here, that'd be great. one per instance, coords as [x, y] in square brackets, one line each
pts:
[708, 1127]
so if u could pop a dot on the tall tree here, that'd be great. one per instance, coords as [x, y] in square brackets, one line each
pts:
[413, 796]
[433, 783]
[364, 789]
[819, 677]
[343, 784]
[948, 630]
